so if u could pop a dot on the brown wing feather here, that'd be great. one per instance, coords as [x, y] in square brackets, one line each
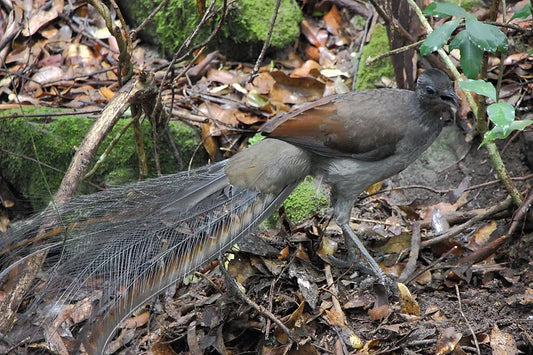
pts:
[332, 126]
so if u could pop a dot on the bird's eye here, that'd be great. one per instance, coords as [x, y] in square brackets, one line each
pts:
[430, 90]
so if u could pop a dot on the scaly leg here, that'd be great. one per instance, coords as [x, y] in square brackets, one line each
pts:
[384, 289]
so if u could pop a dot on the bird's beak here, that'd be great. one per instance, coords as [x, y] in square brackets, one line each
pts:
[452, 99]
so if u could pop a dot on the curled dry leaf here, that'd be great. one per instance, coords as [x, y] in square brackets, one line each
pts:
[327, 248]
[408, 303]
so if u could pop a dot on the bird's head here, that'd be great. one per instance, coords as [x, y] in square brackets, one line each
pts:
[435, 91]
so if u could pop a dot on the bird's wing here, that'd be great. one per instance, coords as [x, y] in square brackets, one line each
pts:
[360, 125]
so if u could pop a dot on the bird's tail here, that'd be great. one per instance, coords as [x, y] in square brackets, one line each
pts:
[130, 243]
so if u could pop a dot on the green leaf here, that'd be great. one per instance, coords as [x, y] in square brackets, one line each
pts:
[486, 37]
[443, 9]
[520, 125]
[501, 133]
[492, 135]
[439, 37]
[501, 114]
[523, 12]
[480, 87]
[471, 55]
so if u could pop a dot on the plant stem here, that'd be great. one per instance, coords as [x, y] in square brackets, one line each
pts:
[492, 150]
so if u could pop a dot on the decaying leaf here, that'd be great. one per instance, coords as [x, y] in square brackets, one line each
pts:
[408, 303]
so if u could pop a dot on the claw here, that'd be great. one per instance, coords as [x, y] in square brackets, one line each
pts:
[384, 288]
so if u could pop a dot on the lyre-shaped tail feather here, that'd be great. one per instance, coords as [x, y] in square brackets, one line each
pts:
[132, 242]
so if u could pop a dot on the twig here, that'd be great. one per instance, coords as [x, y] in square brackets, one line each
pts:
[22, 156]
[430, 266]
[520, 212]
[466, 319]
[413, 254]
[188, 116]
[108, 150]
[52, 114]
[502, 206]
[262, 310]
[357, 60]
[266, 42]
[370, 61]
[148, 18]
[392, 21]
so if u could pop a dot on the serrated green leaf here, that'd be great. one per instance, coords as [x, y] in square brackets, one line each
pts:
[439, 37]
[480, 87]
[443, 9]
[471, 55]
[486, 37]
[501, 114]
[523, 12]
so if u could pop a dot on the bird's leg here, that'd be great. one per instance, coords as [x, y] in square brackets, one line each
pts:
[384, 289]
[351, 259]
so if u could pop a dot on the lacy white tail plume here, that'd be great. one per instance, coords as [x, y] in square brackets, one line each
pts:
[132, 242]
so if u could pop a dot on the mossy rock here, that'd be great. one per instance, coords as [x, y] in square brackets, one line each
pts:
[241, 36]
[53, 141]
[368, 75]
[305, 201]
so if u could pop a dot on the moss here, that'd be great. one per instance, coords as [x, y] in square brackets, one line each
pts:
[304, 201]
[252, 21]
[242, 34]
[54, 142]
[370, 74]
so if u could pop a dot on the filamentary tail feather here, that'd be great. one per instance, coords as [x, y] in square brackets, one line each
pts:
[130, 243]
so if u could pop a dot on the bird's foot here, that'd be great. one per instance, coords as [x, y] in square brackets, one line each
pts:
[384, 287]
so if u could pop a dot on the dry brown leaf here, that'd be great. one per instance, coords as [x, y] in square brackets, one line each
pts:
[397, 243]
[44, 76]
[160, 348]
[42, 15]
[263, 83]
[247, 118]
[106, 92]
[241, 270]
[408, 304]
[316, 36]
[210, 143]
[502, 343]
[332, 20]
[295, 320]
[301, 253]
[327, 248]
[425, 278]
[309, 68]
[447, 341]
[305, 349]
[78, 54]
[312, 53]
[295, 90]
[284, 253]
[222, 76]
[482, 234]
[4, 223]
[380, 313]
[137, 321]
